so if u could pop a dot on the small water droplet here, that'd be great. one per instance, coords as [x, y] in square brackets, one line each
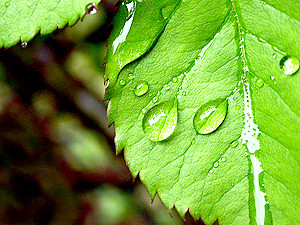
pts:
[24, 44]
[193, 141]
[141, 88]
[234, 144]
[7, 4]
[160, 121]
[289, 65]
[167, 87]
[183, 93]
[144, 110]
[223, 159]
[175, 79]
[274, 55]
[216, 164]
[131, 76]
[259, 83]
[122, 82]
[272, 77]
[210, 116]
[91, 8]
[155, 99]
[211, 171]
[237, 107]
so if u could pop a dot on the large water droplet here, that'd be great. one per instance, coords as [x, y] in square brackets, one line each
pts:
[141, 88]
[210, 116]
[289, 65]
[160, 121]
[91, 8]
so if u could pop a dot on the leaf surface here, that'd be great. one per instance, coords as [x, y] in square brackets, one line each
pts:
[247, 170]
[21, 20]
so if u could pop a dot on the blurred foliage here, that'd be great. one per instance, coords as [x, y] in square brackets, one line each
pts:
[57, 159]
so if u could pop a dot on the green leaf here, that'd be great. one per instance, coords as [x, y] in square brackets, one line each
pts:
[21, 20]
[247, 170]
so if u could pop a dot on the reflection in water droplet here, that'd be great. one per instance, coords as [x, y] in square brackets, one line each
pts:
[234, 144]
[216, 164]
[259, 82]
[141, 88]
[289, 65]
[272, 77]
[175, 79]
[24, 44]
[210, 116]
[91, 8]
[160, 121]
[122, 82]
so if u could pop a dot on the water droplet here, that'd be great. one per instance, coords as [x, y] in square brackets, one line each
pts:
[210, 116]
[131, 76]
[274, 55]
[175, 79]
[160, 121]
[234, 144]
[211, 171]
[91, 8]
[24, 44]
[223, 159]
[237, 107]
[289, 65]
[216, 164]
[259, 83]
[122, 82]
[155, 99]
[7, 4]
[184, 93]
[272, 77]
[193, 141]
[167, 87]
[167, 10]
[144, 110]
[141, 88]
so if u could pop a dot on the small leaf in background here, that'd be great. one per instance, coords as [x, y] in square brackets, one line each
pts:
[22, 20]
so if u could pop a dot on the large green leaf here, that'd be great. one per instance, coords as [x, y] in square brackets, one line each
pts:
[21, 20]
[200, 54]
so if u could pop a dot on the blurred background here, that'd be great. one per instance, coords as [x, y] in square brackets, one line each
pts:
[57, 158]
